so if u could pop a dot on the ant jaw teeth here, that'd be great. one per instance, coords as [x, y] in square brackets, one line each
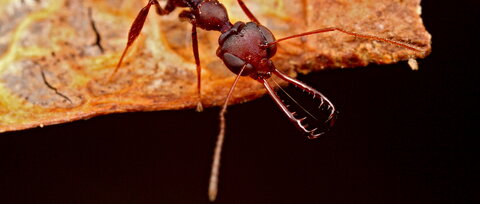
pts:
[332, 112]
[315, 136]
[321, 103]
[313, 130]
[330, 121]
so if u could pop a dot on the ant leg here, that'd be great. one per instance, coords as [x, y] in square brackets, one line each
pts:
[213, 184]
[371, 37]
[138, 23]
[199, 68]
[247, 12]
[169, 7]
[188, 15]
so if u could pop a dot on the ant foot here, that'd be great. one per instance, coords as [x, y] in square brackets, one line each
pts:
[199, 107]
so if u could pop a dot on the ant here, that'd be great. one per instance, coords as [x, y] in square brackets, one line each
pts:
[246, 49]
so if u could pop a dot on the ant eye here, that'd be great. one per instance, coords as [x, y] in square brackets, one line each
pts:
[271, 50]
[233, 61]
[267, 34]
[235, 64]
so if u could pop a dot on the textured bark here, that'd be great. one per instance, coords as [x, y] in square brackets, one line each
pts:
[56, 56]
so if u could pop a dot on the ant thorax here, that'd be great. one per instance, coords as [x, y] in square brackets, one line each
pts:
[245, 45]
[211, 15]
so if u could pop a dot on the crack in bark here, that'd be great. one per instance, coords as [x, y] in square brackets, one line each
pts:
[53, 88]
[97, 34]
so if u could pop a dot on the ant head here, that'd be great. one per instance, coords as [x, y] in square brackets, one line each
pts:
[263, 70]
[268, 37]
[246, 45]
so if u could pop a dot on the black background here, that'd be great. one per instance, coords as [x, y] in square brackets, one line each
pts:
[402, 137]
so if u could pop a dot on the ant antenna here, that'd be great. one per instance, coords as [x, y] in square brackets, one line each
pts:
[372, 37]
[213, 184]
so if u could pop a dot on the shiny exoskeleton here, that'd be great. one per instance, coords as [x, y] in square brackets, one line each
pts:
[246, 49]
[243, 47]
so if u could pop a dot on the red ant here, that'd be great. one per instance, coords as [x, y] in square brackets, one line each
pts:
[246, 49]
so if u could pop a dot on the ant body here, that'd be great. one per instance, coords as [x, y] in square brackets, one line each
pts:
[246, 49]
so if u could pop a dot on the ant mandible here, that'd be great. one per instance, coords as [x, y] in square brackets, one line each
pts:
[246, 49]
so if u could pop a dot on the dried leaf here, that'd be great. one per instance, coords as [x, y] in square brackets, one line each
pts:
[56, 56]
